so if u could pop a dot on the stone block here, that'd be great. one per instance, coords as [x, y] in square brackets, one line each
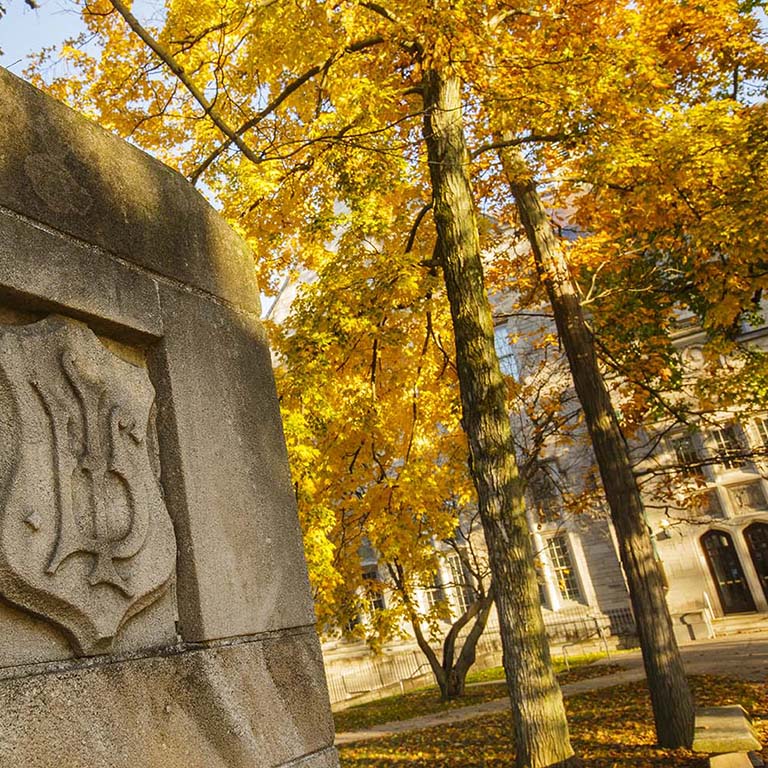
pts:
[260, 703]
[241, 567]
[155, 609]
[66, 172]
[44, 271]
[682, 633]
[327, 758]
[724, 729]
[692, 625]
[27, 639]
[731, 760]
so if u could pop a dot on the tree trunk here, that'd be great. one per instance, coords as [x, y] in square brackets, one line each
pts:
[456, 670]
[672, 701]
[450, 673]
[541, 729]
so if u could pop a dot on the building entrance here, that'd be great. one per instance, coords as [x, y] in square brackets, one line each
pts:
[756, 536]
[726, 570]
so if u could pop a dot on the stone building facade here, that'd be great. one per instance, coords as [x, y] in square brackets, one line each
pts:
[574, 541]
[705, 488]
[711, 522]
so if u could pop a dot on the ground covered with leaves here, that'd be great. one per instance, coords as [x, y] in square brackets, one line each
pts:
[612, 728]
[427, 700]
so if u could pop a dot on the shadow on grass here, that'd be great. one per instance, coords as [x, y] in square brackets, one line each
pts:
[427, 700]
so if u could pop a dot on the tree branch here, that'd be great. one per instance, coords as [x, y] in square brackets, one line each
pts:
[398, 577]
[533, 138]
[412, 235]
[380, 10]
[289, 89]
[178, 70]
[186, 43]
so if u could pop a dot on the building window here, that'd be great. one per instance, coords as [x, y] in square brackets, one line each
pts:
[726, 570]
[507, 361]
[544, 493]
[756, 537]
[562, 567]
[762, 430]
[748, 497]
[761, 425]
[435, 594]
[374, 588]
[686, 455]
[728, 446]
[461, 580]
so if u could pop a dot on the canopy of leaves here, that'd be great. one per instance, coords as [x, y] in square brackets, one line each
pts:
[370, 404]
[645, 121]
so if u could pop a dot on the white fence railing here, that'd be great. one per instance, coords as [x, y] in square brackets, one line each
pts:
[376, 676]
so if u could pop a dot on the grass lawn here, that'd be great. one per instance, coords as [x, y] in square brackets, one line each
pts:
[612, 728]
[578, 662]
[426, 701]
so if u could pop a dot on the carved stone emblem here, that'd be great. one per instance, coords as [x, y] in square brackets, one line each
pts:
[85, 539]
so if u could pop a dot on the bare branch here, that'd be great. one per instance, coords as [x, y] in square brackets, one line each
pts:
[382, 11]
[412, 236]
[524, 313]
[533, 138]
[186, 43]
[410, 47]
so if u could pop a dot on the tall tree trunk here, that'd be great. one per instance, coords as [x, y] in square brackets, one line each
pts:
[541, 728]
[672, 701]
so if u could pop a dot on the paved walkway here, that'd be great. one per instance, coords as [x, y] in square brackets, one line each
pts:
[741, 656]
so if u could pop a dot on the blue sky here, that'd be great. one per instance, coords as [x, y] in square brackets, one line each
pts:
[24, 30]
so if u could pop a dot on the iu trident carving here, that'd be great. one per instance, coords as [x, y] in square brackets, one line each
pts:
[85, 539]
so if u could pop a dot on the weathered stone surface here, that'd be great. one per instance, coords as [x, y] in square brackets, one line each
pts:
[85, 539]
[724, 729]
[241, 568]
[251, 705]
[26, 639]
[43, 271]
[731, 760]
[692, 625]
[64, 171]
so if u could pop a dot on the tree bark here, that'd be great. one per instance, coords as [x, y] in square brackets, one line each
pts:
[672, 701]
[541, 728]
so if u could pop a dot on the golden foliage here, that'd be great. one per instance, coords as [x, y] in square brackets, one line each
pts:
[644, 120]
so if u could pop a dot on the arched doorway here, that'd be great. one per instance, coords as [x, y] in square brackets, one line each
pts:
[756, 536]
[726, 570]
